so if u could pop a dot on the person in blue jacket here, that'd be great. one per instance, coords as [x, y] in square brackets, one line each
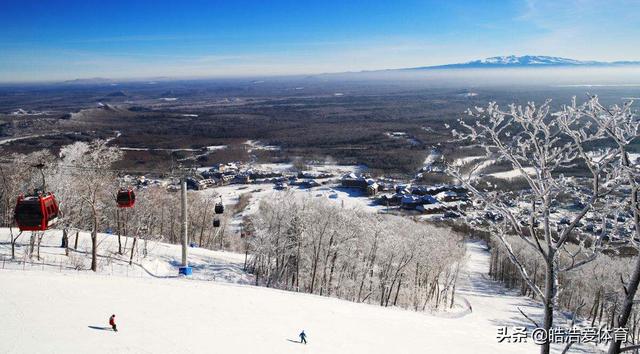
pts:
[303, 337]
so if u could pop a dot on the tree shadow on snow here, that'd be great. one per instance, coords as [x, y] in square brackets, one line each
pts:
[229, 272]
[101, 328]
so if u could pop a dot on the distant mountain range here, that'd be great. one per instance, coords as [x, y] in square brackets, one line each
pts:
[108, 81]
[526, 61]
[509, 61]
[89, 81]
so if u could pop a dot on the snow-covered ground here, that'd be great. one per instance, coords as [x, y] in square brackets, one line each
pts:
[329, 191]
[433, 156]
[472, 166]
[351, 198]
[466, 160]
[53, 312]
[404, 136]
[493, 306]
[162, 259]
[323, 168]
[17, 138]
[125, 148]
[257, 145]
[511, 174]
[216, 147]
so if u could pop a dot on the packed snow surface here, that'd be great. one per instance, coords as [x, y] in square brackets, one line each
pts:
[51, 312]
[162, 259]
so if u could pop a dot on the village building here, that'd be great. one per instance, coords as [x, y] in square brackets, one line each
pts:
[257, 174]
[243, 178]
[352, 181]
[281, 185]
[447, 196]
[372, 189]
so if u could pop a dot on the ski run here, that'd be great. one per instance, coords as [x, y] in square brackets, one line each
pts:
[51, 308]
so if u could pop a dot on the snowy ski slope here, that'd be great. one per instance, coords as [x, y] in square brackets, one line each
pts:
[48, 311]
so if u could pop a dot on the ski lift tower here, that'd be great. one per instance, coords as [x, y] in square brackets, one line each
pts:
[184, 269]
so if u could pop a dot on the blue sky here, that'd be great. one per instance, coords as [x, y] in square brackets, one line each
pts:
[59, 40]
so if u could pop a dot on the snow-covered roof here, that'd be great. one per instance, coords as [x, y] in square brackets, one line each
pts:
[445, 194]
[352, 176]
[429, 207]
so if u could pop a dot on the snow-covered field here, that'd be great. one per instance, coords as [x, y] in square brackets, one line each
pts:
[466, 160]
[257, 145]
[162, 260]
[479, 166]
[62, 312]
[433, 156]
[323, 168]
[473, 165]
[511, 174]
[351, 198]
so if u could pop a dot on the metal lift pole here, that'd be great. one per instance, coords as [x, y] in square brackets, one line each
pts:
[184, 269]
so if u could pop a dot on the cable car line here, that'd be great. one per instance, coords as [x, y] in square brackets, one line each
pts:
[39, 211]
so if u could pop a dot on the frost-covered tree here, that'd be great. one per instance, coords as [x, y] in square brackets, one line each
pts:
[22, 175]
[308, 245]
[73, 211]
[544, 148]
[87, 169]
[620, 125]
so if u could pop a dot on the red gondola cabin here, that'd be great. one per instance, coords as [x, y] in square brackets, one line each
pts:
[36, 212]
[126, 198]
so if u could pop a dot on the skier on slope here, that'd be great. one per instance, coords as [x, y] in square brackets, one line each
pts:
[112, 323]
[303, 337]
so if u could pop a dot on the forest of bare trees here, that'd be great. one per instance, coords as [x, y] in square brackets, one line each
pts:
[309, 246]
[591, 293]
[85, 186]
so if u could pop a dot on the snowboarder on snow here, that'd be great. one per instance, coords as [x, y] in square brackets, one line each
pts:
[303, 337]
[112, 323]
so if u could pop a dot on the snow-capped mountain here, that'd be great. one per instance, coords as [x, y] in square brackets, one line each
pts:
[527, 61]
